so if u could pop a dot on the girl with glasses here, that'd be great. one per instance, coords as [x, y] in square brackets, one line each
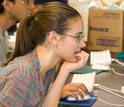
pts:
[41, 44]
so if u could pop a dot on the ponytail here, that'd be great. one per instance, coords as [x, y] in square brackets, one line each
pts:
[33, 30]
[23, 40]
[24, 43]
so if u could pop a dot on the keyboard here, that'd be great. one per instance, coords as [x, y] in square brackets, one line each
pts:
[100, 60]
[87, 79]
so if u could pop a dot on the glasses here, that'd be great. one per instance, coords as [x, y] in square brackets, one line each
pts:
[27, 2]
[79, 37]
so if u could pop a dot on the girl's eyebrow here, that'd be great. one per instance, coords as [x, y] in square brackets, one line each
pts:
[79, 32]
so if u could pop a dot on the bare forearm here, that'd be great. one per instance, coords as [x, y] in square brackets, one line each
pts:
[54, 94]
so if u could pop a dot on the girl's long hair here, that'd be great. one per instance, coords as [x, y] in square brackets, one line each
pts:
[52, 16]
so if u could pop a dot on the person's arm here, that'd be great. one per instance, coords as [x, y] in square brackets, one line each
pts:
[54, 93]
[53, 96]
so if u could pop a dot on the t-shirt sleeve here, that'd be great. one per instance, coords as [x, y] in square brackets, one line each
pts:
[14, 92]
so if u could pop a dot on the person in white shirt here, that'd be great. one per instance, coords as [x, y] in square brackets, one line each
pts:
[11, 11]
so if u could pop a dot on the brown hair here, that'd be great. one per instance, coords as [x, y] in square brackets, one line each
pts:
[52, 16]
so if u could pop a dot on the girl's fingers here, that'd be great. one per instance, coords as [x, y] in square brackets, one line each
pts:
[74, 88]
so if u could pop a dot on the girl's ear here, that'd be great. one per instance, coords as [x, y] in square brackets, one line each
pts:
[7, 5]
[54, 38]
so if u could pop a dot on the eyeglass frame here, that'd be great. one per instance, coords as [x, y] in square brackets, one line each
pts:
[27, 2]
[80, 38]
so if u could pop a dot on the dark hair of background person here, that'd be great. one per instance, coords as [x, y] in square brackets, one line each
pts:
[44, 1]
[12, 29]
[51, 16]
[1, 5]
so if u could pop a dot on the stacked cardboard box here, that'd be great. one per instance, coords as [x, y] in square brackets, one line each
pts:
[105, 30]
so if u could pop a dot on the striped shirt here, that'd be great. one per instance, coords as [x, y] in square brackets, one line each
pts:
[21, 84]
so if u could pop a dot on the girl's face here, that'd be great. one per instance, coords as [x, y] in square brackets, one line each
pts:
[72, 41]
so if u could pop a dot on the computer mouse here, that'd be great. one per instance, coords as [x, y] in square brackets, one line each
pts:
[86, 97]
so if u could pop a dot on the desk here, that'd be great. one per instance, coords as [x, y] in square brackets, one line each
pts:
[108, 79]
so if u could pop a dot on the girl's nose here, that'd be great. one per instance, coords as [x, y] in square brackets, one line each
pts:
[82, 44]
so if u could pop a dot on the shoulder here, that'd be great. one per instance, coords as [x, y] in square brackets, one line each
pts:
[27, 65]
[23, 67]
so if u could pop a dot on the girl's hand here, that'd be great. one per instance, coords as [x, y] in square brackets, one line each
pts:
[74, 89]
[82, 58]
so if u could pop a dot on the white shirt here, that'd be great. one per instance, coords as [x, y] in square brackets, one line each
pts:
[3, 46]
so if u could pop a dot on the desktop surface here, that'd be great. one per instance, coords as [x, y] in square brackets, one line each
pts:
[110, 80]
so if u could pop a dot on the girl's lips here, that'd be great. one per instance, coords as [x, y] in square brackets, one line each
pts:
[76, 52]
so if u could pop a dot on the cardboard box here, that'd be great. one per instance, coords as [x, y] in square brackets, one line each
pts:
[105, 30]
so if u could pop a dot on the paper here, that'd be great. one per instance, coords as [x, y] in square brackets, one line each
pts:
[79, 2]
[108, 2]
